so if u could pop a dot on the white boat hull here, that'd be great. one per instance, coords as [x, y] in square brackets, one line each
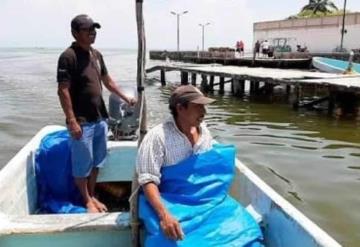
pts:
[283, 225]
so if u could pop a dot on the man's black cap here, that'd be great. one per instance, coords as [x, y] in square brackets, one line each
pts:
[83, 22]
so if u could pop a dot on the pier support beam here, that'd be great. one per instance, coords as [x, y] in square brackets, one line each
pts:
[288, 90]
[332, 103]
[222, 85]
[184, 78]
[204, 83]
[268, 88]
[296, 102]
[193, 79]
[162, 77]
[252, 87]
[211, 83]
[238, 87]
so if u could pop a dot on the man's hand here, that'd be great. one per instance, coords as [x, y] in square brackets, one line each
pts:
[131, 101]
[171, 227]
[74, 129]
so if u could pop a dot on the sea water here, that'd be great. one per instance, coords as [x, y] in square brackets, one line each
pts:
[311, 159]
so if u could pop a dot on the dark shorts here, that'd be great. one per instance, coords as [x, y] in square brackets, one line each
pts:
[90, 150]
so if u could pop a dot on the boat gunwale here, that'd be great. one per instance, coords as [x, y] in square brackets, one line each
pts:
[14, 224]
[336, 69]
[319, 235]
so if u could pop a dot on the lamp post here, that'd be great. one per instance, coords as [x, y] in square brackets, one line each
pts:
[178, 26]
[343, 28]
[203, 33]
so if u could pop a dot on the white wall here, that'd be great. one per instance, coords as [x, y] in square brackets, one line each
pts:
[318, 34]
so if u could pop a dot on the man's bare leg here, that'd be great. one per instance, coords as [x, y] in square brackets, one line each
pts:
[82, 185]
[91, 187]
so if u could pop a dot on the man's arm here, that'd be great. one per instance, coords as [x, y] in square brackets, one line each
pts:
[168, 223]
[111, 86]
[66, 104]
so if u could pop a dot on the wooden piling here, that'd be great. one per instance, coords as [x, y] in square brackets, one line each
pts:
[232, 86]
[184, 78]
[204, 81]
[222, 85]
[211, 83]
[162, 77]
[332, 102]
[252, 87]
[296, 102]
[238, 87]
[193, 79]
[268, 89]
[256, 87]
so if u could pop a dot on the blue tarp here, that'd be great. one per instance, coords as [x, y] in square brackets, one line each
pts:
[195, 191]
[57, 192]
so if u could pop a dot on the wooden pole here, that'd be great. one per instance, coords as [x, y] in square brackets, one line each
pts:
[222, 85]
[211, 83]
[134, 221]
[204, 82]
[162, 77]
[193, 79]
[184, 78]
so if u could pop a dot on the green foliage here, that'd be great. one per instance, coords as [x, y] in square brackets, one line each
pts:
[322, 6]
[311, 14]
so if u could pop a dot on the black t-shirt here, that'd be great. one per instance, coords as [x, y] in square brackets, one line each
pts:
[83, 70]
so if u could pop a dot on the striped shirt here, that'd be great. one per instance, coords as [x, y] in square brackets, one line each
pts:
[166, 145]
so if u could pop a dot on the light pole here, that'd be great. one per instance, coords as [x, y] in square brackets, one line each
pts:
[343, 28]
[203, 33]
[178, 26]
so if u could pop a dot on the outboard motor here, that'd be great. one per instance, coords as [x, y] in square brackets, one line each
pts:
[123, 119]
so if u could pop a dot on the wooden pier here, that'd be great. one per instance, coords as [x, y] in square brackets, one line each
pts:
[337, 89]
[300, 61]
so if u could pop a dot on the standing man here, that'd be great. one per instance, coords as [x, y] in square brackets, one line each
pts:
[265, 48]
[257, 48]
[241, 47]
[80, 74]
[237, 45]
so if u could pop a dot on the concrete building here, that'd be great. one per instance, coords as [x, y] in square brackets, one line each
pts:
[320, 34]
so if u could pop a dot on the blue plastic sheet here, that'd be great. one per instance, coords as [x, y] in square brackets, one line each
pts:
[195, 191]
[57, 192]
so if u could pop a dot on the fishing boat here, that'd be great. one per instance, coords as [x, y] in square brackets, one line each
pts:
[22, 225]
[334, 65]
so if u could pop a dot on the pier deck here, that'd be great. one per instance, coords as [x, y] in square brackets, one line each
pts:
[278, 76]
[342, 92]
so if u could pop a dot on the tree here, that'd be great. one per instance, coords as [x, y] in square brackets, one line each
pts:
[322, 6]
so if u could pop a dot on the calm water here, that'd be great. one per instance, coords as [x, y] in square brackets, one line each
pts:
[309, 158]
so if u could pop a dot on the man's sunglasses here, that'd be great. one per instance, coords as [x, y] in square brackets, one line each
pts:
[91, 29]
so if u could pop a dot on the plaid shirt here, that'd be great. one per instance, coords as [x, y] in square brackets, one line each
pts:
[166, 145]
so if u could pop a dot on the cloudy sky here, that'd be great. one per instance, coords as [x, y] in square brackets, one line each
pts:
[46, 23]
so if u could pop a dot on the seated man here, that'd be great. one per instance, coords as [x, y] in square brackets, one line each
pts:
[185, 180]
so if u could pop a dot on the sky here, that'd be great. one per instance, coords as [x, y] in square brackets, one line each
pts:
[46, 23]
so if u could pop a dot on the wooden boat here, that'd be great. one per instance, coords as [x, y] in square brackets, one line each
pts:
[282, 224]
[334, 65]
